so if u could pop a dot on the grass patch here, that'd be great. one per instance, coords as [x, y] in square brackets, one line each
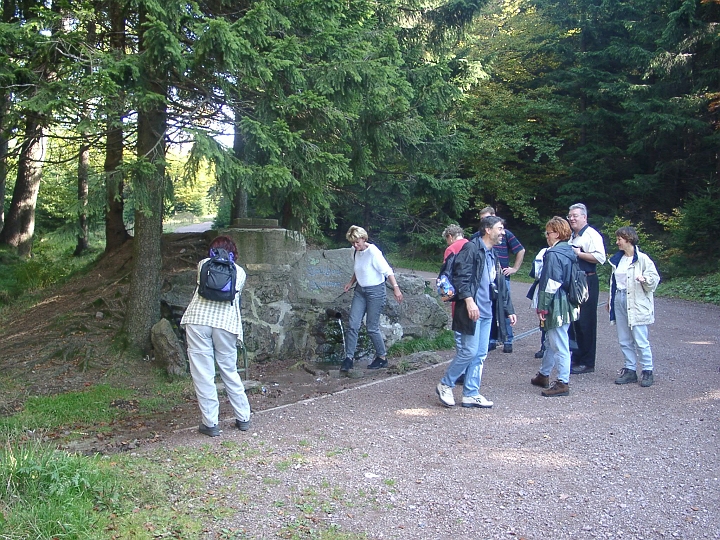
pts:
[52, 263]
[442, 342]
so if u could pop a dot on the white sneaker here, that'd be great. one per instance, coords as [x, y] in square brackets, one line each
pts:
[476, 401]
[445, 394]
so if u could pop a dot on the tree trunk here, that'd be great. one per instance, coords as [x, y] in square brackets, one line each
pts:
[20, 222]
[4, 108]
[115, 233]
[143, 309]
[82, 185]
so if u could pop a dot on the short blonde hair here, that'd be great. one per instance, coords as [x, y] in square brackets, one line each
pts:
[355, 233]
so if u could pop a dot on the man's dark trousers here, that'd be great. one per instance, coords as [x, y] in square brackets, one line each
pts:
[585, 328]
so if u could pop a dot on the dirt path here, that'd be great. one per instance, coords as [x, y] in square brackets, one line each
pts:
[385, 459]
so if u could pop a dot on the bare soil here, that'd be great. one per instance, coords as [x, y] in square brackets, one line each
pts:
[65, 343]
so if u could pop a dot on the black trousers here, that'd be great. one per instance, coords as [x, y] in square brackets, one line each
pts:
[584, 330]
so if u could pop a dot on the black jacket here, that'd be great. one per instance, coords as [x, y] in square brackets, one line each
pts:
[468, 269]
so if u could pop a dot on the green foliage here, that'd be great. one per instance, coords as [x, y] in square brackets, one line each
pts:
[52, 494]
[53, 262]
[696, 288]
[694, 230]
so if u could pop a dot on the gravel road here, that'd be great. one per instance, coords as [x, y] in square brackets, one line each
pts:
[388, 461]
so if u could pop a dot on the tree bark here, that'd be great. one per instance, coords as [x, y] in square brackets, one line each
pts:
[143, 309]
[115, 232]
[82, 190]
[4, 108]
[20, 221]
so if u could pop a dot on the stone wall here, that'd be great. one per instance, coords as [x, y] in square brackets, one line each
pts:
[290, 290]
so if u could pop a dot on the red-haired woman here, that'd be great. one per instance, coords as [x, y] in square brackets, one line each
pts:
[554, 309]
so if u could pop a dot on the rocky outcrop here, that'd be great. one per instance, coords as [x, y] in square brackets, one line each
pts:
[297, 308]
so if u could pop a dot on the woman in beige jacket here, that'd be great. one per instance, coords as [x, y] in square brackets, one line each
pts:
[632, 283]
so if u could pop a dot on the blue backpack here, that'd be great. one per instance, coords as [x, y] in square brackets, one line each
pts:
[218, 276]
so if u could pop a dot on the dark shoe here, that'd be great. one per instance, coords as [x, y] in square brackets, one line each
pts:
[579, 370]
[347, 364]
[627, 376]
[543, 381]
[540, 353]
[209, 431]
[558, 388]
[378, 363]
[646, 378]
[460, 381]
[507, 348]
[492, 346]
[242, 425]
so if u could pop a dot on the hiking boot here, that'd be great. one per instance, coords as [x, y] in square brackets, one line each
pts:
[445, 394]
[347, 364]
[492, 346]
[646, 378]
[476, 401]
[558, 388]
[580, 369]
[378, 363]
[628, 376]
[507, 348]
[213, 431]
[540, 353]
[543, 381]
[242, 425]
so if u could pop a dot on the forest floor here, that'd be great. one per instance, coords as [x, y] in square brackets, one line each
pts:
[65, 343]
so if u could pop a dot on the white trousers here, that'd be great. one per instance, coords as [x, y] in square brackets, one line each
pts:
[206, 346]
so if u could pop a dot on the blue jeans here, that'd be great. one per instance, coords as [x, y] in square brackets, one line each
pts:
[557, 353]
[634, 342]
[370, 300]
[470, 355]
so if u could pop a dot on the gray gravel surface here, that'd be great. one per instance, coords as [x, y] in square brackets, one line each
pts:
[387, 460]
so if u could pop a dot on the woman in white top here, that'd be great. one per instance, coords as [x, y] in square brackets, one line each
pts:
[633, 281]
[371, 271]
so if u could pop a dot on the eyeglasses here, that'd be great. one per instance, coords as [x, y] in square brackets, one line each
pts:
[574, 216]
[548, 233]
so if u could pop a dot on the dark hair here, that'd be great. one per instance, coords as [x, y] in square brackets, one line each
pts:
[488, 222]
[559, 226]
[629, 234]
[226, 243]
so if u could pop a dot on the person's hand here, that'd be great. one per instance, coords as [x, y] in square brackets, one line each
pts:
[541, 315]
[348, 286]
[509, 271]
[513, 319]
[473, 311]
[398, 294]
[640, 279]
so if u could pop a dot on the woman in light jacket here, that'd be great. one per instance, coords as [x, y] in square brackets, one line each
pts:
[632, 283]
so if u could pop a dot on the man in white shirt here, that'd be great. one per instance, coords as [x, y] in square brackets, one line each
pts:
[590, 249]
